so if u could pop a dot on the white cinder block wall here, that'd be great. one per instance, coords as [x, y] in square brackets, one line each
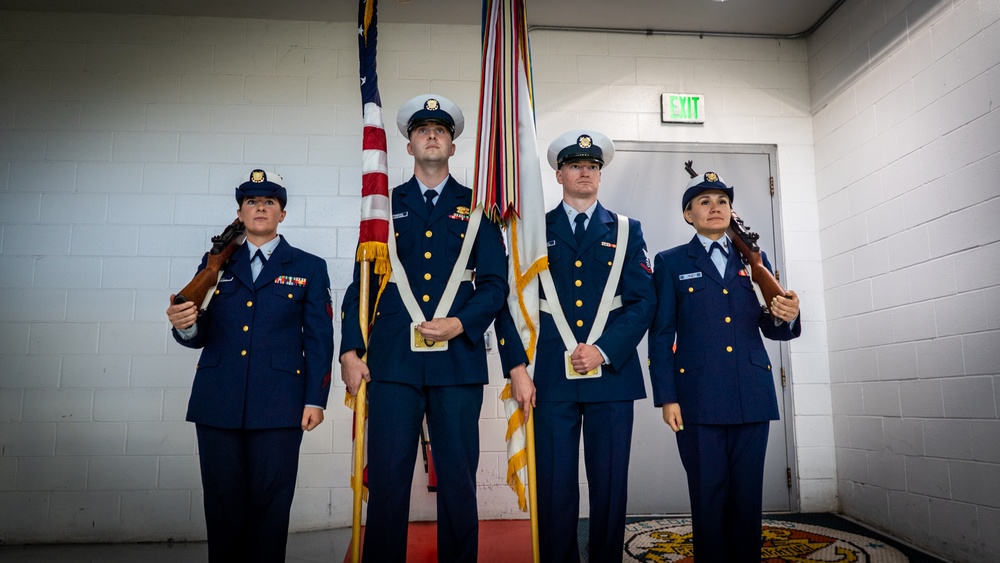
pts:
[907, 132]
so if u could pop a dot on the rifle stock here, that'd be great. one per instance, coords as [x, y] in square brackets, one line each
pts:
[745, 242]
[223, 246]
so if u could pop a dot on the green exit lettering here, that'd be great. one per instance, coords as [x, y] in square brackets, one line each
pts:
[683, 108]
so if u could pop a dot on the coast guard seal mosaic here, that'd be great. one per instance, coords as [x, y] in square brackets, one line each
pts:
[669, 540]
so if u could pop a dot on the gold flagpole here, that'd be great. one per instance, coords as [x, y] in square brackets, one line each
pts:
[360, 414]
[529, 444]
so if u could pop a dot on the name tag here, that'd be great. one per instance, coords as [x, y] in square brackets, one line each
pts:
[573, 374]
[692, 275]
[225, 280]
[551, 243]
[400, 215]
[420, 344]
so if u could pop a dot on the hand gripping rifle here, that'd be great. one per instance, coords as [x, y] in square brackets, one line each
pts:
[199, 289]
[765, 285]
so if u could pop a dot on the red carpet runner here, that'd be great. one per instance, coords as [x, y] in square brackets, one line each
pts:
[500, 541]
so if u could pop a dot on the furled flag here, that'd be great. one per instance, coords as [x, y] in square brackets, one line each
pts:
[509, 185]
[374, 228]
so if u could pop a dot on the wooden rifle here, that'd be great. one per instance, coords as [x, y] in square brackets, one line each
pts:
[745, 241]
[200, 288]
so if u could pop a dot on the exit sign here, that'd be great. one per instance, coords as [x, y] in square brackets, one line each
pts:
[682, 108]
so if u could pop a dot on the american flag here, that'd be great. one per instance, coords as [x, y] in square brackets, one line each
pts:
[374, 232]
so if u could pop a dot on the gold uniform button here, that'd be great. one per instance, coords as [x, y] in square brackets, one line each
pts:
[579, 303]
[461, 235]
[579, 263]
[298, 372]
[243, 353]
[397, 235]
[428, 234]
[290, 296]
[690, 290]
[343, 315]
[427, 276]
[609, 263]
[682, 370]
[729, 348]
[725, 292]
[427, 254]
[216, 291]
[579, 323]
[245, 328]
[426, 298]
[501, 342]
[249, 303]
[578, 283]
[728, 320]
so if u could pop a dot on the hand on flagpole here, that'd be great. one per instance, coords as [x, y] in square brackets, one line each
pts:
[352, 370]
[522, 388]
[441, 329]
[586, 357]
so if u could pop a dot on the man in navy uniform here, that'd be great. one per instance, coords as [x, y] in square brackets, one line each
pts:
[426, 355]
[718, 380]
[598, 302]
[263, 377]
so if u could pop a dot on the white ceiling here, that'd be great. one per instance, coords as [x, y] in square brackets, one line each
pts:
[740, 17]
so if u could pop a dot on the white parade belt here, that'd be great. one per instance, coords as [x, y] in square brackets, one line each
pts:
[458, 274]
[609, 302]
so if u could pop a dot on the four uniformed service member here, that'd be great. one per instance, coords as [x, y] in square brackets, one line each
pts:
[263, 377]
[716, 389]
[426, 352]
[598, 302]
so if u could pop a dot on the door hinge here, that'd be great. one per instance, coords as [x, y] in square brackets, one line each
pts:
[784, 380]
[772, 185]
[788, 476]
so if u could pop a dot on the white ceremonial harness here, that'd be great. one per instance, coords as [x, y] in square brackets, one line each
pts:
[609, 302]
[458, 274]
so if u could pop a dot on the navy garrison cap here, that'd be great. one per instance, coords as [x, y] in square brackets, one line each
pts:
[262, 184]
[703, 183]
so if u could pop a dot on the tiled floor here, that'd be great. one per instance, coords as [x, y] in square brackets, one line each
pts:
[308, 547]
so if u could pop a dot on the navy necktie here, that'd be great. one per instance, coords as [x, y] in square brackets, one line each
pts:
[429, 195]
[256, 270]
[718, 259]
[581, 228]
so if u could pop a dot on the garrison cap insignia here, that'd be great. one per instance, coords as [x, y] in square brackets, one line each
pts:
[584, 141]
[432, 105]
[258, 176]
[711, 177]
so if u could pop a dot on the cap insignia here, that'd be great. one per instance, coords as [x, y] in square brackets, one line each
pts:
[258, 176]
[584, 142]
[711, 177]
[432, 105]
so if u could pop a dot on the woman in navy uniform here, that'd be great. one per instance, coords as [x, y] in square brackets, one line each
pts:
[718, 381]
[262, 379]
[412, 373]
[588, 249]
